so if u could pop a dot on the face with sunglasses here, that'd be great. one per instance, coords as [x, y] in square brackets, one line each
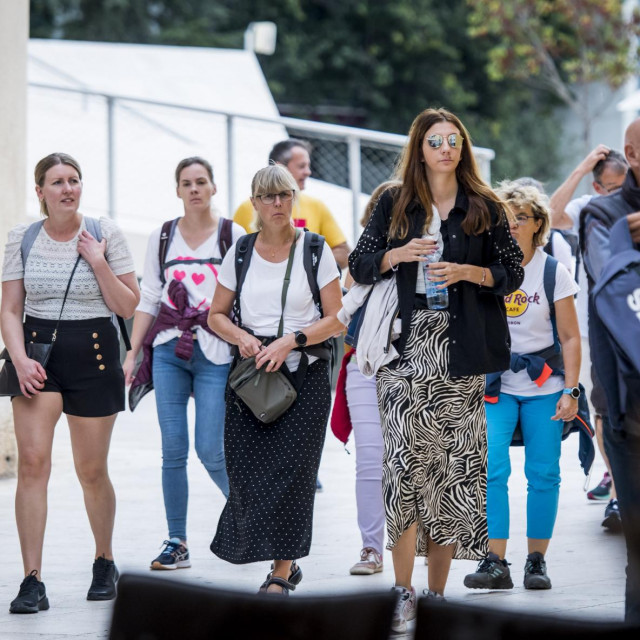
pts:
[442, 148]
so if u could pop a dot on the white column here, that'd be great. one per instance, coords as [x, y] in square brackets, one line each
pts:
[14, 34]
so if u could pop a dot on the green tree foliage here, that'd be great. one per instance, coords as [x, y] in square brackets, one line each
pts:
[375, 64]
[560, 46]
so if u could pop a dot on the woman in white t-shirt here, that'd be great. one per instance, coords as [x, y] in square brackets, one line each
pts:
[82, 378]
[532, 395]
[182, 356]
[273, 468]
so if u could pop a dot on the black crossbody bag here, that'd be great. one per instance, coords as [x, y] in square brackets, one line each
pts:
[38, 351]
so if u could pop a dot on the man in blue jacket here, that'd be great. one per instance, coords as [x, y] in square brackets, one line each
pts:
[622, 429]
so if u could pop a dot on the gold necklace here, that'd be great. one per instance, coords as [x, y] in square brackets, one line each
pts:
[273, 252]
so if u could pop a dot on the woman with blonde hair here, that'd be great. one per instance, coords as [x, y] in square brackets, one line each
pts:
[431, 397]
[537, 392]
[272, 468]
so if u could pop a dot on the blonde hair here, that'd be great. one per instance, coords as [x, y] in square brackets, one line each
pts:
[515, 195]
[52, 160]
[272, 179]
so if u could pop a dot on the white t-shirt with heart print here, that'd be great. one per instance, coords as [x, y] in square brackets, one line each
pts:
[199, 279]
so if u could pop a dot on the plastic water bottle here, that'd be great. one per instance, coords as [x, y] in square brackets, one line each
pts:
[437, 299]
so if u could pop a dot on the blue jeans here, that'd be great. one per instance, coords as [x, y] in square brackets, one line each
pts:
[175, 380]
[542, 441]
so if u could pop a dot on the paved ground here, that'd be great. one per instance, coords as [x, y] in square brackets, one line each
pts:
[585, 563]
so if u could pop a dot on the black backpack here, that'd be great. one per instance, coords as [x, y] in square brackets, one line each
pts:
[225, 241]
[312, 252]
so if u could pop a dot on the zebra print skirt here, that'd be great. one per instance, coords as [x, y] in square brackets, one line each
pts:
[435, 448]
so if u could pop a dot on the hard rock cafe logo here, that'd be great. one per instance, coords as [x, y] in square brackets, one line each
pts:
[518, 302]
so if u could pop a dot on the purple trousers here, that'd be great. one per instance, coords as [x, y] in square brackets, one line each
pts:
[362, 399]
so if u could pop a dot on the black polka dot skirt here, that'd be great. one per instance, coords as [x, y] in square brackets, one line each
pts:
[272, 473]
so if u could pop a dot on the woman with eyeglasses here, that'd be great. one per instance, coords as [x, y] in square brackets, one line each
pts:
[273, 467]
[182, 357]
[431, 398]
[531, 393]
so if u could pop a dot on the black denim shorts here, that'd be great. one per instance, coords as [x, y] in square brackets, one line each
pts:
[84, 365]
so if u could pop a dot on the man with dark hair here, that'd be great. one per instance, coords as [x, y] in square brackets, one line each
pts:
[308, 212]
[622, 388]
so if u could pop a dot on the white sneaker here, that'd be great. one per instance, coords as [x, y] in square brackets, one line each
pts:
[405, 609]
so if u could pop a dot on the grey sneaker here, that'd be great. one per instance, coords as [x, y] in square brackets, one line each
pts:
[492, 573]
[535, 572]
[434, 596]
[370, 563]
[405, 609]
[174, 556]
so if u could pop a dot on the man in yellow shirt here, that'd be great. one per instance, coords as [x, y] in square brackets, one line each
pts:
[308, 212]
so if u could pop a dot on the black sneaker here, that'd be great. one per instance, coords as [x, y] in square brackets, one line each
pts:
[105, 576]
[535, 572]
[492, 573]
[32, 596]
[612, 517]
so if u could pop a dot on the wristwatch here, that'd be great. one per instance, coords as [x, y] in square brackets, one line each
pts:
[301, 339]
[574, 392]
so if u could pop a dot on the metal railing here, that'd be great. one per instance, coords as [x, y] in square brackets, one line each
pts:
[357, 159]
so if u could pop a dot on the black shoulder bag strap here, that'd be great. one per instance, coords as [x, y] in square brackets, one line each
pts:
[166, 235]
[313, 246]
[244, 251]
[64, 300]
[549, 281]
[225, 238]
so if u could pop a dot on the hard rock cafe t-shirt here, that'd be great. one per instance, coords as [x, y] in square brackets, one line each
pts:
[530, 323]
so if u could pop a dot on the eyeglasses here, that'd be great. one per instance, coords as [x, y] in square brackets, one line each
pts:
[610, 189]
[435, 141]
[521, 219]
[270, 198]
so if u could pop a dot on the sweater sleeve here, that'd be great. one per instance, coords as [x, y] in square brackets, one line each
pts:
[504, 257]
[365, 259]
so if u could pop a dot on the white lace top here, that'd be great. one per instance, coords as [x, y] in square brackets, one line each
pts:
[48, 269]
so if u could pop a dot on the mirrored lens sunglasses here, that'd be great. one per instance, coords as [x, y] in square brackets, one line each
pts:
[435, 141]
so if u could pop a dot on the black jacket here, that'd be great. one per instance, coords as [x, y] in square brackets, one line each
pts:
[478, 331]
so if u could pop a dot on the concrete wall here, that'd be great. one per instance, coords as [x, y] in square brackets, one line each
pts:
[14, 34]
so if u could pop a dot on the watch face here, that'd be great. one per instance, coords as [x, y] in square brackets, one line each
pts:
[301, 339]
[575, 392]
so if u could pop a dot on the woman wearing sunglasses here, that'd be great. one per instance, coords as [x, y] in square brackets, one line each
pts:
[531, 397]
[431, 398]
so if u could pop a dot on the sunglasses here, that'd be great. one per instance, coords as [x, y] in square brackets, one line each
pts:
[435, 141]
[270, 198]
